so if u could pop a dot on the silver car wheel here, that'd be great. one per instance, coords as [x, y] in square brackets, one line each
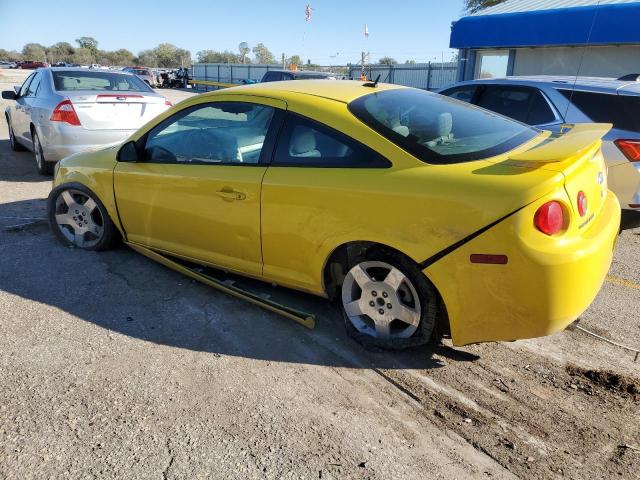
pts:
[380, 301]
[79, 219]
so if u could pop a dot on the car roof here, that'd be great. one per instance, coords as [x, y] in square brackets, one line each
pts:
[343, 91]
[592, 84]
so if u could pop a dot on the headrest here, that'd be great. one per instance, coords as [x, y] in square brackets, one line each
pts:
[302, 141]
[445, 124]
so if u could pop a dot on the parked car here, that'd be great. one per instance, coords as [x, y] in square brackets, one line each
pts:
[4, 64]
[61, 111]
[31, 65]
[550, 102]
[279, 75]
[143, 73]
[395, 201]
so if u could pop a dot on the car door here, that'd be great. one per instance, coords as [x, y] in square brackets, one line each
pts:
[525, 104]
[19, 121]
[195, 192]
[316, 171]
[31, 111]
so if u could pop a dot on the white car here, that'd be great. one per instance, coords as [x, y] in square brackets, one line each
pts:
[61, 111]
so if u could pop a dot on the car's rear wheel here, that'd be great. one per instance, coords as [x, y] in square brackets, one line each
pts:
[44, 167]
[78, 218]
[387, 302]
[15, 146]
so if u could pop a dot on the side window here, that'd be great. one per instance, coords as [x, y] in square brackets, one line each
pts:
[33, 86]
[526, 105]
[306, 143]
[507, 101]
[621, 110]
[213, 133]
[272, 77]
[461, 93]
[25, 85]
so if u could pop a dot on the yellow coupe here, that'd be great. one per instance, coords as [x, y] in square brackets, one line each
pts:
[414, 210]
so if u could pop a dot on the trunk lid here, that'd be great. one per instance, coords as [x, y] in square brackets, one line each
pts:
[116, 111]
[575, 153]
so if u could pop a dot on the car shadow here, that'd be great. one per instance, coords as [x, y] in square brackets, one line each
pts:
[18, 166]
[128, 295]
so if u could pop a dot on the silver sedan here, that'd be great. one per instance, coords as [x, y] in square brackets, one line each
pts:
[62, 111]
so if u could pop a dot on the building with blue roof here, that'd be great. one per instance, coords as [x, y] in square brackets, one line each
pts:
[549, 37]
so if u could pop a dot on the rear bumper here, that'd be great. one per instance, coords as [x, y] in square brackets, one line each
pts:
[624, 181]
[60, 141]
[545, 286]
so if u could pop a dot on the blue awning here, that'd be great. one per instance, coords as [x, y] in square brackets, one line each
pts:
[612, 24]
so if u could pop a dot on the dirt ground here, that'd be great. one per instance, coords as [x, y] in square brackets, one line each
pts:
[114, 366]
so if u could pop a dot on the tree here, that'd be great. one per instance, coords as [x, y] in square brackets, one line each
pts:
[122, 57]
[473, 6]
[10, 56]
[387, 61]
[294, 60]
[244, 50]
[212, 56]
[262, 54]
[89, 43]
[83, 56]
[168, 55]
[410, 62]
[60, 52]
[35, 52]
[147, 58]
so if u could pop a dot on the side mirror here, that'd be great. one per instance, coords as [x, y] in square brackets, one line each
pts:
[128, 153]
[9, 95]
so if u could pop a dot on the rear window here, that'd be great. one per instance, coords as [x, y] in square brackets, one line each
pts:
[438, 129]
[98, 81]
[621, 110]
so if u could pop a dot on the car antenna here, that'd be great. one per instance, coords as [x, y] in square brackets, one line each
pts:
[372, 84]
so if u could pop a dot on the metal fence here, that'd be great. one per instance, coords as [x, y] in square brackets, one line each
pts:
[428, 76]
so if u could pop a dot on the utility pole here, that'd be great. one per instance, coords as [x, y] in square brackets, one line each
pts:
[284, 66]
[363, 75]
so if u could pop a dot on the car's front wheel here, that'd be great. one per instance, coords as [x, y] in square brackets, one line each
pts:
[15, 146]
[387, 302]
[78, 218]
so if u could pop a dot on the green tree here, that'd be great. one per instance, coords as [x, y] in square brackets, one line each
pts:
[60, 52]
[147, 58]
[244, 50]
[262, 54]
[410, 62]
[122, 57]
[473, 6]
[34, 51]
[213, 56]
[89, 43]
[387, 61]
[295, 60]
[169, 55]
[83, 56]
[10, 56]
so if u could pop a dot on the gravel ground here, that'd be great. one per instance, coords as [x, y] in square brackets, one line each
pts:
[114, 366]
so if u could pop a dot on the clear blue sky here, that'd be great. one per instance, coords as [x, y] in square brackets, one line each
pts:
[403, 29]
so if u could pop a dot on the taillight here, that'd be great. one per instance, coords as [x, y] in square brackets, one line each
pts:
[168, 103]
[630, 148]
[64, 112]
[549, 218]
[582, 203]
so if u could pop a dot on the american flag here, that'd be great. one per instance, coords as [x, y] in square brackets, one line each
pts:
[307, 12]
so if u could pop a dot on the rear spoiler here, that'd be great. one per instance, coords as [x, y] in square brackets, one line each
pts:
[573, 139]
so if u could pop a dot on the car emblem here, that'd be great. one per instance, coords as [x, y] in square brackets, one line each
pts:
[121, 98]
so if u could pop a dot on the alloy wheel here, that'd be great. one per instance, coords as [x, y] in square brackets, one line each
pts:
[380, 301]
[78, 218]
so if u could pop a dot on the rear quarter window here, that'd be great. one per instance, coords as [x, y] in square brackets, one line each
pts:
[621, 110]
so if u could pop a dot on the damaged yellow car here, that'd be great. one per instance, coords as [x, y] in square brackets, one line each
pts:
[415, 211]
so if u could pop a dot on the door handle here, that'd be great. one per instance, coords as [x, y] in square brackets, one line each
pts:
[230, 194]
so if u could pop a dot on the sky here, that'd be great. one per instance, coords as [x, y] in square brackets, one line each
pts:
[403, 29]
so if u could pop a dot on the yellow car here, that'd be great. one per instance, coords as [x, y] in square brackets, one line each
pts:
[417, 212]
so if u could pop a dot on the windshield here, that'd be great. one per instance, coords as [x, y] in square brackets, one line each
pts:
[438, 129]
[98, 81]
